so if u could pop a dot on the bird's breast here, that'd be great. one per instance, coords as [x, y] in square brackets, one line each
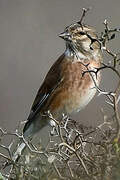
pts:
[80, 82]
[76, 89]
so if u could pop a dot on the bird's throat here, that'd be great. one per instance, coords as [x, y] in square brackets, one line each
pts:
[74, 54]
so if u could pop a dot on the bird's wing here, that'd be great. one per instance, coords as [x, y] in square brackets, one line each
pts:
[51, 81]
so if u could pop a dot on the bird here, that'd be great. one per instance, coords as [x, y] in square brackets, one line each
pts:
[71, 82]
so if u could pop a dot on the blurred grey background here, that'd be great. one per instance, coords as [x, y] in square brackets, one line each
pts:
[29, 44]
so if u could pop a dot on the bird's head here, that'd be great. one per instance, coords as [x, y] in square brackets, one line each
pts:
[80, 38]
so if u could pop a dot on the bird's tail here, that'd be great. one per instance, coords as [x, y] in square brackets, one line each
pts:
[31, 127]
[18, 152]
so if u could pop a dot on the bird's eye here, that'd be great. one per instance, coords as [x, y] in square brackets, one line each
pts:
[81, 33]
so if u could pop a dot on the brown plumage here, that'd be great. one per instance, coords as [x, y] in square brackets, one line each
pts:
[66, 88]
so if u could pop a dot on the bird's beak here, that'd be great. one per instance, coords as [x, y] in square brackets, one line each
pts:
[65, 35]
